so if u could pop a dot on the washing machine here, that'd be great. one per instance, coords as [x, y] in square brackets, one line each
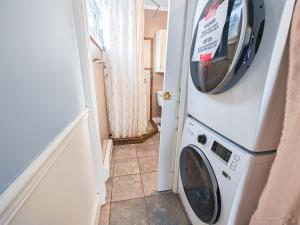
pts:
[238, 69]
[219, 182]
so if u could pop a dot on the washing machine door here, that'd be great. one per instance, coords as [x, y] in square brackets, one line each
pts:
[200, 184]
[226, 37]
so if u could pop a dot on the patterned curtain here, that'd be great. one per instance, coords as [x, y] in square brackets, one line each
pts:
[123, 30]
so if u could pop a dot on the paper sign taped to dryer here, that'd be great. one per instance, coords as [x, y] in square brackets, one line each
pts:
[209, 34]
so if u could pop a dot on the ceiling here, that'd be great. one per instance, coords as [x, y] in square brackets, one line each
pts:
[163, 4]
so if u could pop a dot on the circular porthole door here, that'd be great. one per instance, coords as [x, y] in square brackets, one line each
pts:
[226, 37]
[200, 184]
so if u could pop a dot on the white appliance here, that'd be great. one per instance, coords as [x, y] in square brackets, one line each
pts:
[219, 183]
[238, 69]
[160, 98]
[160, 49]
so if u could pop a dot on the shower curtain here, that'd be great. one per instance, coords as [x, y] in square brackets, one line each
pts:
[280, 201]
[123, 31]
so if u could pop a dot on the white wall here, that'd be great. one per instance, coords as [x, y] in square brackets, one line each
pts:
[40, 80]
[163, 4]
[47, 165]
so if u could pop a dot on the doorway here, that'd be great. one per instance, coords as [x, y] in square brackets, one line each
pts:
[154, 60]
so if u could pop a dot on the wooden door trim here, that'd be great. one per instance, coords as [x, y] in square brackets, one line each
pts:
[151, 75]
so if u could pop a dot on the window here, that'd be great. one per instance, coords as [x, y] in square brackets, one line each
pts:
[94, 19]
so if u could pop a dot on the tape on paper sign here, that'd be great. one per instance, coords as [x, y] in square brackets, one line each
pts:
[205, 59]
[209, 35]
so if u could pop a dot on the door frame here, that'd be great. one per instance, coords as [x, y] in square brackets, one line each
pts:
[191, 8]
[88, 83]
[171, 117]
[180, 21]
[151, 74]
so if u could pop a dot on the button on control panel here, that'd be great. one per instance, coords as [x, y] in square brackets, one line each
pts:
[236, 157]
[202, 139]
[233, 165]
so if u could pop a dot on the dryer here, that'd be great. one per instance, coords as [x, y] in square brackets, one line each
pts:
[219, 183]
[238, 69]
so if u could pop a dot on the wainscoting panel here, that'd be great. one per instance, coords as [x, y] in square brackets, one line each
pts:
[58, 188]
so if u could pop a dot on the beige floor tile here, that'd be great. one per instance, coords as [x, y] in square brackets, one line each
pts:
[146, 150]
[148, 164]
[111, 171]
[156, 138]
[145, 147]
[126, 167]
[147, 142]
[127, 187]
[156, 147]
[108, 185]
[129, 212]
[124, 152]
[149, 181]
[147, 153]
[104, 215]
[124, 146]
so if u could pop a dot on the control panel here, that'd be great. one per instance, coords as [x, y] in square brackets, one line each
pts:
[225, 154]
[221, 151]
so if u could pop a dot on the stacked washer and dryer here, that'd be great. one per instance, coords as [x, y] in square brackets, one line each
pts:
[235, 107]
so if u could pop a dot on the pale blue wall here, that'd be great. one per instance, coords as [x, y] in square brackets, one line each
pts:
[40, 79]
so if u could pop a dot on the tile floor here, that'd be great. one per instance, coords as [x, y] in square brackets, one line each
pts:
[132, 198]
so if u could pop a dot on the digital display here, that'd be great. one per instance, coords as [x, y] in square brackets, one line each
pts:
[221, 151]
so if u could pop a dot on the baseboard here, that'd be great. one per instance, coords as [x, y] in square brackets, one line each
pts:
[137, 140]
[107, 159]
[15, 196]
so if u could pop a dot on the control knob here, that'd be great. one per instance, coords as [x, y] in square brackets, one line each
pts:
[202, 139]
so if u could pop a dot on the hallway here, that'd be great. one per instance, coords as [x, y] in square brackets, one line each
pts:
[131, 189]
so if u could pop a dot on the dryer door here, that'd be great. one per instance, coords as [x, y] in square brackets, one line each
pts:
[200, 184]
[227, 34]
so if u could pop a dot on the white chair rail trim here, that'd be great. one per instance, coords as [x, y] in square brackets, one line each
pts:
[12, 199]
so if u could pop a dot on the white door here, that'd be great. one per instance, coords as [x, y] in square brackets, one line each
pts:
[172, 84]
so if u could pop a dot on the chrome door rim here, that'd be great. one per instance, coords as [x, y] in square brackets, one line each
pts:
[213, 179]
[252, 20]
[240, 47]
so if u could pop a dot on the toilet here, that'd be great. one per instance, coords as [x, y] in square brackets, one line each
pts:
[160, 99]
